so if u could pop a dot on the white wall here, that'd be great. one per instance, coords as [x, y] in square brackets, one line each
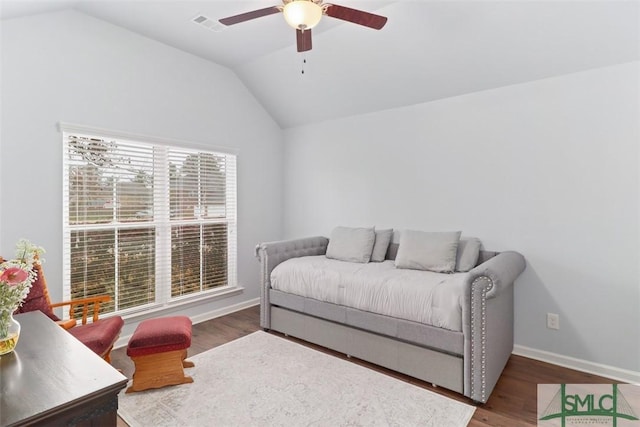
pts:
[73, 68]
[547, 168]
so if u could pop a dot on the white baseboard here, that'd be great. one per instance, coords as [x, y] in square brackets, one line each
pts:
[225, 310]
[124, 339]
[617, 374]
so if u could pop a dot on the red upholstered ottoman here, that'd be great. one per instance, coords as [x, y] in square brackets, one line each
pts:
[158, 348]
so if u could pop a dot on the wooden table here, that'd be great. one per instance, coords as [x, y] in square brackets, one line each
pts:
[51, 378]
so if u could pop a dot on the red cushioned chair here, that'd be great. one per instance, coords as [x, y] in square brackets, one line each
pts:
[100, 335]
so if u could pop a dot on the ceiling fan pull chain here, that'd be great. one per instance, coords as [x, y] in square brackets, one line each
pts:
[304, 61]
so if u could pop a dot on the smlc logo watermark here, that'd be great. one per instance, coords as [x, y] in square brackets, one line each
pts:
[611, 405]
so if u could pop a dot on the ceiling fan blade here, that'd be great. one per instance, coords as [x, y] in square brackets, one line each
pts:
[356, 16]
[236, 19]
[303, 39]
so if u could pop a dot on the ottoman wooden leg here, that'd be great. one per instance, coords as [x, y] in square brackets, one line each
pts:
[159, 370]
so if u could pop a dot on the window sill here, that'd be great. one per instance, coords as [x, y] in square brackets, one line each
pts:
[182, 303]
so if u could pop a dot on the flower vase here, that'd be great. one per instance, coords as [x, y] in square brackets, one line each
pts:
[9, 334]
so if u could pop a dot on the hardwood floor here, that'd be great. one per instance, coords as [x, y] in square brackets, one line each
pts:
[512, 403]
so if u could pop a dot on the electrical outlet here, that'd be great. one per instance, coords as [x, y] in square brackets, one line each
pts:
[553, 321]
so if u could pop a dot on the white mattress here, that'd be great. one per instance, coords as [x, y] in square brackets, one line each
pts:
[378, 287]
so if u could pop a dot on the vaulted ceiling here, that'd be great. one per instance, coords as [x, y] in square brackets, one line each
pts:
[428, 50]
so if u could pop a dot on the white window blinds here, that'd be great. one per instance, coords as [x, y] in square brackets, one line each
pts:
[146, 223]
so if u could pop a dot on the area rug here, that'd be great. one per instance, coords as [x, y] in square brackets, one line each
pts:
[265, 380]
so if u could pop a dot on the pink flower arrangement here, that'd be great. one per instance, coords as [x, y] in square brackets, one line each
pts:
[16, 277]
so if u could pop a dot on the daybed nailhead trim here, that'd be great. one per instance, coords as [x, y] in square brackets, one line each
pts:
[483, 335]
[280, 252]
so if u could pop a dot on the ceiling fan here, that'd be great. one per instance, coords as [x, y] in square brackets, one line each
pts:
[303, 15]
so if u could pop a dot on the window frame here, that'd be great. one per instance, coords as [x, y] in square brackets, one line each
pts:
[163, 225]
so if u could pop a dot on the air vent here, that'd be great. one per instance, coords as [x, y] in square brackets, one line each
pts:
[208, 23]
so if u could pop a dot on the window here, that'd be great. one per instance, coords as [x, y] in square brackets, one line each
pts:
[147, 223]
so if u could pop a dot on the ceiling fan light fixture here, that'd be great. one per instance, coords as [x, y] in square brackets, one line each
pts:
[302, 14]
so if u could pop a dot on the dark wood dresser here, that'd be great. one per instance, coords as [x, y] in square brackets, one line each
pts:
[53, 379]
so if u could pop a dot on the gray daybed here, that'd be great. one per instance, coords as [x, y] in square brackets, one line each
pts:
[468, 361]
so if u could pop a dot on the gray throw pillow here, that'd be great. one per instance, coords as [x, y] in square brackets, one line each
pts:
[468, 253]
[433, 251]
[351, 244]
[383, 238]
